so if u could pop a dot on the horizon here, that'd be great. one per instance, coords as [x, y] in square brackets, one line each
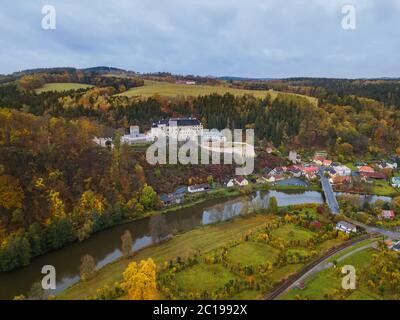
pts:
[238, 77]
[258, 39]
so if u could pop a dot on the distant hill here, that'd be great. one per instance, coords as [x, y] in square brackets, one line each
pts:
[229, 78]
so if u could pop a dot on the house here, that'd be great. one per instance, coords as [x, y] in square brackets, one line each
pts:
[294, 171]
[278, 170]
[340, 180]
[322, 161]
[373, 175]
[396, 182]
[241, 181]
[311, 176]
[267, 170]
[396, 247]
[318, 160]
[331, 171]
[387, 215]
[310, 170]
[171, 199]
[346, 227]
[388, 165]
[198, 188]
[342, 170]
[366, 169]
[294, 157]
[103, 142]
[230, 183]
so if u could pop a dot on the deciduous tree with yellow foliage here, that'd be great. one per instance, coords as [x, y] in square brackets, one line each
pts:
[140, 280]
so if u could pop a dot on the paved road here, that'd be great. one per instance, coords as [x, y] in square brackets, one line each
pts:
[329, 194]
[292, 280]
[323, 265]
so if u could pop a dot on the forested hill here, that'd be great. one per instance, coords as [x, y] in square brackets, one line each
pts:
[57, 186]
[335, 91]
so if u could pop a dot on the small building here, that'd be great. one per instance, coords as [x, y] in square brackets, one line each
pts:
[310, 170]
[294, 171]
[171, 199]
[196, 188]
[103, 142]
[373, 175]
[396, 182]
[294, 157]
[342, 170]
[241, 181]
[366, 169]
[387, 165]
[396, 247]
[346, 227]
[230, 183]
[387, 215]
[318, 160]
[341, 180]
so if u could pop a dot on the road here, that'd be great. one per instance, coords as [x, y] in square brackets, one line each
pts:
[374, 230]
[323, 265]
[312, 267]
[329, 194]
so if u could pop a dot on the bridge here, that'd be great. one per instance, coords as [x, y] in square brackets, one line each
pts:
[329, 194]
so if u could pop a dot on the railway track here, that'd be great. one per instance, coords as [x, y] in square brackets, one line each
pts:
[294, 278]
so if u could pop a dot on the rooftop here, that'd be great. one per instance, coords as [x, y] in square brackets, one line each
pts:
[181, 122]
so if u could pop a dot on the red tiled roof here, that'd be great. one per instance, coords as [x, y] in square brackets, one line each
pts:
[366, 169]
[341, 179]
[373, 175]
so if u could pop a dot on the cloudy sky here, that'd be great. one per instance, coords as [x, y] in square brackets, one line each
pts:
[252, 38]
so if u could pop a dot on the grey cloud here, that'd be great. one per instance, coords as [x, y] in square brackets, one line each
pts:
[258, 38]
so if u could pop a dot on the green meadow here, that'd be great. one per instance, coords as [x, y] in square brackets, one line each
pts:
[152, 88]
[65, 86]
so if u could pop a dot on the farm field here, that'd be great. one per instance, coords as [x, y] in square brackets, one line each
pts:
[65, 86]
[171, 89]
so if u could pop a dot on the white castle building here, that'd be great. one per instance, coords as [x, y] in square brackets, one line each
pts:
[135, 137]
[181, 129]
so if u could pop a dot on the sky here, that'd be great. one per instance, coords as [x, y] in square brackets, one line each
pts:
[246, 38]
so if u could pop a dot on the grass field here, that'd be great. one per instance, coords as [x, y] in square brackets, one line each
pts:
[171, 89]
[252, 253]
[291, 232]
[62, 87]
[383, 188]
[203, 277]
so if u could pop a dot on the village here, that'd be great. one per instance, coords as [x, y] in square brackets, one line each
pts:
[316, 170]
